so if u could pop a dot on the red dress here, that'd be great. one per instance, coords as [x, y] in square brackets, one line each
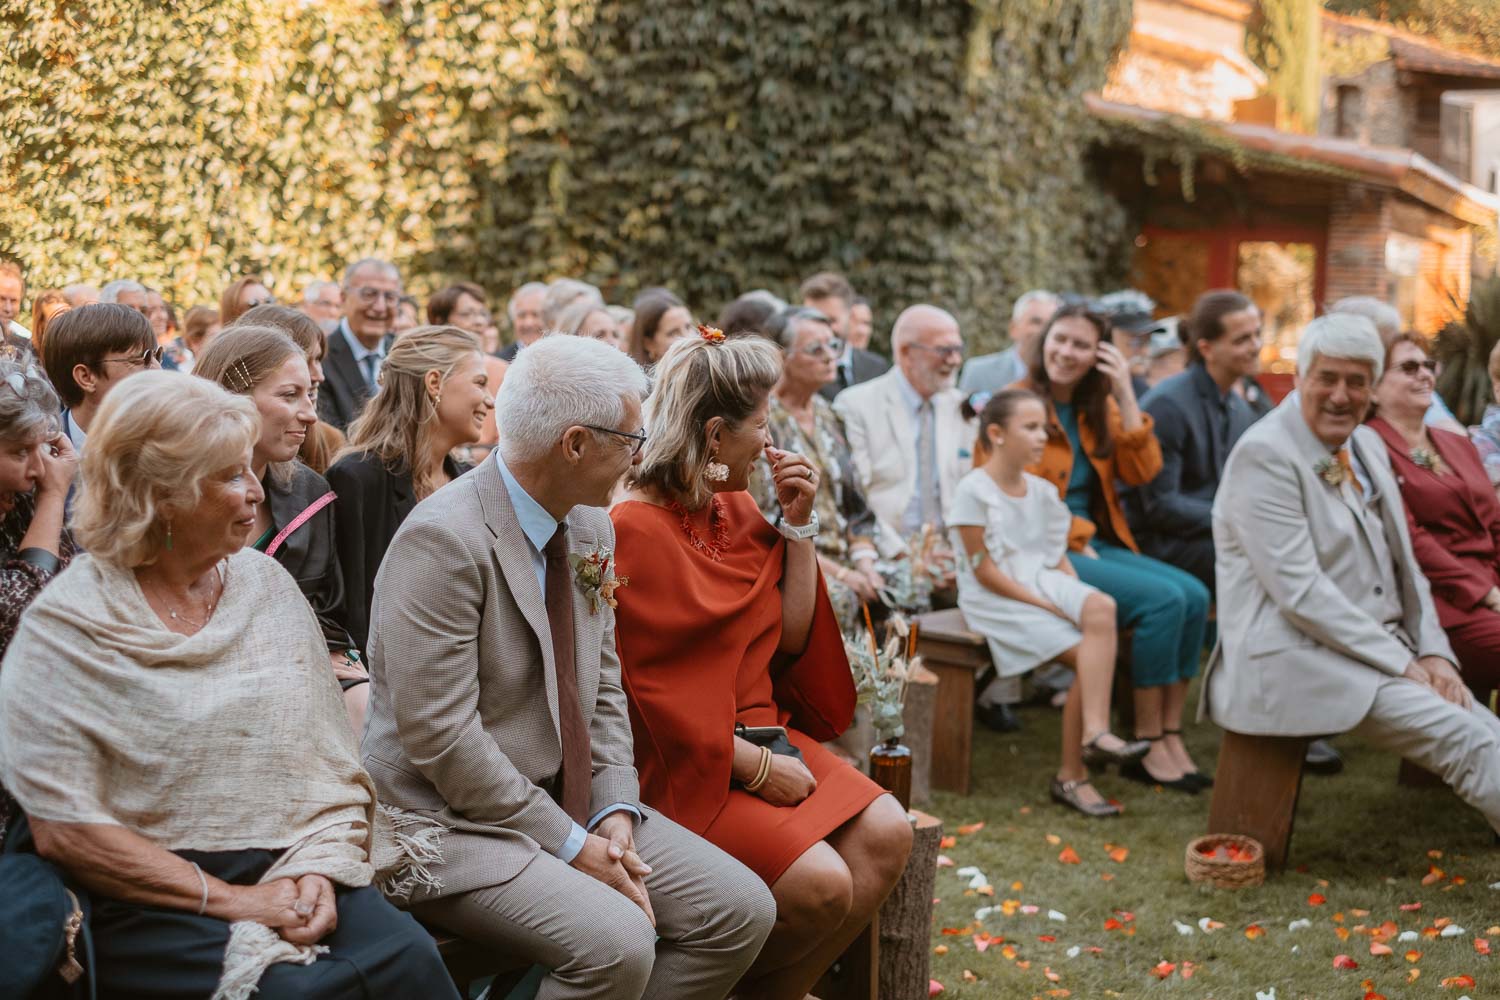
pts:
[1454, 522]
[697, 642]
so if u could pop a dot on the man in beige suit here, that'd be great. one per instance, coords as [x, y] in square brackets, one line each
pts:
[497, 710]
[909, 442]
[1325, 619]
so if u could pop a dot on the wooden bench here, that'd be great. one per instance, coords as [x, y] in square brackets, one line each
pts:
[957, 656]
[1255, 790]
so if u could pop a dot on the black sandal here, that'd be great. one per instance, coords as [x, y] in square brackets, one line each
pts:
[1136, 771]
[1094, 755]
[1066, 793]
[1203, 780]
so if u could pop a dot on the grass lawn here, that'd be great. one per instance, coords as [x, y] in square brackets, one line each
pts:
[1362, 844]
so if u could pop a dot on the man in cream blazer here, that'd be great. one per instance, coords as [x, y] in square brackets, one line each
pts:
[1326, 622]
[908, 478]
[549, 857]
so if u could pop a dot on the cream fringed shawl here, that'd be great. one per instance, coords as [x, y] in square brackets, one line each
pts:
[233, 738]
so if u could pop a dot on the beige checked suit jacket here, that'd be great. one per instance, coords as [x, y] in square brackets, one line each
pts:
[463, 718]
[1301, 648]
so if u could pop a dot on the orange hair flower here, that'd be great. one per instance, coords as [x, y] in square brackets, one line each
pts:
[712, 334]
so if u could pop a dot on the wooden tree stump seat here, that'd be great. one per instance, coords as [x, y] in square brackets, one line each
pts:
[1255, 790]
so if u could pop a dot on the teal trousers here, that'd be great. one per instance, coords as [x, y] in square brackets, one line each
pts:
[1167, 607]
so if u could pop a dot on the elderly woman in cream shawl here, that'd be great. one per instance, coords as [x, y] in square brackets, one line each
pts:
[170, 727]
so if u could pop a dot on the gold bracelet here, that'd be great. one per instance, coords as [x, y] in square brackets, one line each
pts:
[761, 773]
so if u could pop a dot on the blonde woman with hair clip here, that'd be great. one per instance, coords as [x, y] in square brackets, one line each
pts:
[734, 665]
[434, 397]
[295, 524]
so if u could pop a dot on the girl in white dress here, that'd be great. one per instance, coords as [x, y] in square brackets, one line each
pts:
[1017, 589]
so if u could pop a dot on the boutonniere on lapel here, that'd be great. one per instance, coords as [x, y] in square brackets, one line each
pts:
[1331, 471]
[1427, 458]
[595, 572]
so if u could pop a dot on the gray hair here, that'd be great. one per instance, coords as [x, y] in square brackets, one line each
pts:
[560, 382]
[73, 293]
[530, 288]
[561, 294]
[1341, 335]
[31, 413]
[784, 326]
[315, 288]
[111, 292]
[1035, 295]
[373, 264]
[914, 319]
[1384, 315]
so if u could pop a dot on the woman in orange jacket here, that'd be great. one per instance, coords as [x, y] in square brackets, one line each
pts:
[1097, 434]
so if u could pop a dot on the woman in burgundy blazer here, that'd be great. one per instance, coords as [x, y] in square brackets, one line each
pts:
[1451, 511]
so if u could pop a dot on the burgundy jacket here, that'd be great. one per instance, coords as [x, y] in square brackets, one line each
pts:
[1454, 520]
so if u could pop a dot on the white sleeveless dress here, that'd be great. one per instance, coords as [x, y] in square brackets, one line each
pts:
[1026, 536]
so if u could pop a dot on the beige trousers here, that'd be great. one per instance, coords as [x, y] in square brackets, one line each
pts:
[1460, 746]
[712, 916]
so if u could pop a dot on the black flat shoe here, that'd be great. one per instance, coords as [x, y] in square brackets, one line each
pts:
[1095, 755]
[1000, 718]
[1322, 758]
[1136, 771]
[1066, 793]
[1196, 776]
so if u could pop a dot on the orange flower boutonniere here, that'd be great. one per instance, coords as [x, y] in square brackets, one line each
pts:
[595, 572]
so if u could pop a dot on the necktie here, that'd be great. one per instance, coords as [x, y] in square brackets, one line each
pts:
[927, 484]
[371, 363]
[576, 775]
[1353, 480]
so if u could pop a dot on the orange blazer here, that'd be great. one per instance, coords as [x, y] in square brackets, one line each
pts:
[1135, 462]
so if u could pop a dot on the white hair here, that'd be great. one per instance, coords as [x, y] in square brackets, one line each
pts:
[915, 319]
[1035, 295]
[560, 382]
[1384, 315]
[530, 288]
[373, 264]
[111, 292]
[1341, 335]
[315, 288]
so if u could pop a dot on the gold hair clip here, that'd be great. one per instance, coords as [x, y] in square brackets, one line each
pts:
[240, 372]
[712, 334]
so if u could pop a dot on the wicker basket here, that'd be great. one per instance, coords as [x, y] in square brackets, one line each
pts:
[1222, 873]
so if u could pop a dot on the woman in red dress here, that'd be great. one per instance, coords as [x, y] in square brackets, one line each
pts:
[725, 622]
[1451, 511]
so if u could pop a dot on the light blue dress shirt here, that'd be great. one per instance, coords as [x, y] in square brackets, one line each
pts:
[361, 352]
[539, 526]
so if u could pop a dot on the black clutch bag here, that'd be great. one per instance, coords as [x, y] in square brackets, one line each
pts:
[773, 738]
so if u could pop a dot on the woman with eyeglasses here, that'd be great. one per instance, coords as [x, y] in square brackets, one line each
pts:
[435, 396]
[1451, 510]
[91, 350]
[241, 296]
[36, 470]
[802, 421]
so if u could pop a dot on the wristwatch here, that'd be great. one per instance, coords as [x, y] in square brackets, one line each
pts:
[796, 533]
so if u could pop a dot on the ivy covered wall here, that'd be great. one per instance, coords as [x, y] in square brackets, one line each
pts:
[929, 148]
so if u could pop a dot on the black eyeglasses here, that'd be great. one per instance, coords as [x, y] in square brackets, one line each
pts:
[639, 437]
[1410, 368]
[144, 360]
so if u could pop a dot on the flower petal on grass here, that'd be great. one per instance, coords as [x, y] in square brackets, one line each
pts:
[1458, 983]
[1186, 930]
[1255, 931]
[1408, 936]
[1410, 907]
[970, 828]
[1208, 925]
[1069, 856]
[1316, 899]
[934, 987]
[1344, 962]
[1376, 948]
[1451, 931]
[1164, 969]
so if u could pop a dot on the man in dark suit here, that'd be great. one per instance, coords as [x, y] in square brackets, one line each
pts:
[833, 296]
[357, 346]
[1198, 417]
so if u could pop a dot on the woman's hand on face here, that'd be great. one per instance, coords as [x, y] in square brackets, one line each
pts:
[796, 483]
[1114, 366]
[789, 782]
[59, 464]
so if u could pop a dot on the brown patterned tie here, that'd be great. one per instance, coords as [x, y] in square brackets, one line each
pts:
[576, 776]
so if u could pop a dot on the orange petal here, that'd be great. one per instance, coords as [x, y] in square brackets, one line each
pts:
[1164, 969]
[1052, 977]
[1316, 899]
[1412, 975]
[1359, 913]
[1434, 874]
[1342, 932]
[1053, 839]
[1255, 931]
[1069, 856]
[969, 977]
[941, 949]
[934, 987]
[1106, 877]
[1376, 948]
[1410, 907]
[1187, 970]
[1442, 922]
[1459, 983]
[1344, 962]
[970, 828]
[1048, 938]
[1482, 945]
[1372, 995]
[1024, 964]
[1413, 956]
[946, 843]
[1112, 924]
